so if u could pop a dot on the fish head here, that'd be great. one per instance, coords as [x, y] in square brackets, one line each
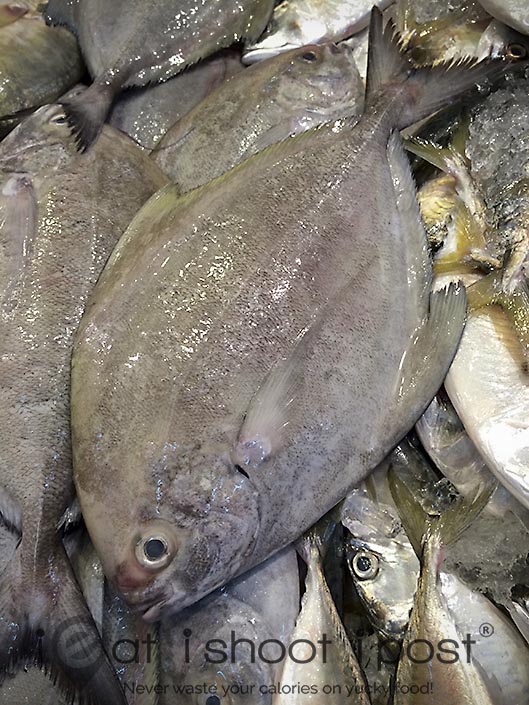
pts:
[42, 143]
[178, 536]
[382, 563]
[318, 80]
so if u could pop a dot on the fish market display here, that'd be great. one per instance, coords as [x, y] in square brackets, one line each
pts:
[296, 23]
[136, 42]
[264, 343]
[232, 644]
[37, 63]
[261, 272]
[259, 107]
[146, 114]
[61, 215]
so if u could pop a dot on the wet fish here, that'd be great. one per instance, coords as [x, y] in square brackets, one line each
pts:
[299, 22]
[511, 12]
[68, 212]
[145, 114]
[37, 63]
[260, 106]
[314, 665]
[382, 562]
[465, 665]
[32, 687]
[157, 41]
[244, 329]
[204, 646]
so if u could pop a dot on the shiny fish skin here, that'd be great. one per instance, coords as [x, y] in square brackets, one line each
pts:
[145, 114]
[37, 65]
[157, 41]
[299, 22]
[260, 605]
[262, 105]
[512, 12]
[80, 206]
[301, 274]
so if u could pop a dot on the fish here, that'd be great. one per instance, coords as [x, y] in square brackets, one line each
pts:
[447, 653]
[31, 687]
[382, 562]
[157, 41]
[68, 211]
[264, 104]
[510, 12]
[244, 329]
[37, 63]
[319, 643]
[204, 646]
[145, 114]
[296, 23]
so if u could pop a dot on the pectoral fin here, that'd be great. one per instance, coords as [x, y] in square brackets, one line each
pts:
[10, 528]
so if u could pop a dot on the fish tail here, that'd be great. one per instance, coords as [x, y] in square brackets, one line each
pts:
[50, 627]
[318, 537]
[86, 113]
[418, 92]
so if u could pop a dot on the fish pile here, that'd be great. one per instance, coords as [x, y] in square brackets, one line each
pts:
[264, 352]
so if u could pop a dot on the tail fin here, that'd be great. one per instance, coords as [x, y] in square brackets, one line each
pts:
[87, 112]
[47, 625]
[421, 91]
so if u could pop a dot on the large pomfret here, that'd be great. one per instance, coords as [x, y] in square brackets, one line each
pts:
[134, 43]
[61, 214]
[299, 22]
[512, 12]
[240, 332]
[260, 106]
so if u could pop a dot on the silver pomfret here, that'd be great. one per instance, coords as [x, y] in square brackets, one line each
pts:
[239, 332]
[61, 215]
[260, 106]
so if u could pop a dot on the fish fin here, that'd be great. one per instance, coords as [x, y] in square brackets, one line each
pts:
[53, 629]
[410, 215]
[411, 513]
[423, 91]
[425, 364]
[457, 519]
[10, 528]
[429, 151]
[12, 12]
[317, 537]
[520, 617]
[385, 61]
[71, 519]
[86, 113]
[61, 13]
[270, 410]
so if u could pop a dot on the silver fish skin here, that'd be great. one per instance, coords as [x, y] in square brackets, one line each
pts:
[511, 12]
[134, 43]
[261, 605]
[225, 337]
[295, 23]
[319, 622]
[145, 114]
[37, 63]
[68, 212]
[265, 104]
[382, 562]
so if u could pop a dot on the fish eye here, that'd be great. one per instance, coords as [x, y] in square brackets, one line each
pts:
[213, 700]
[60, 119]
[154, 552]
[309, 56]
[365, 565]
[516, 51]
